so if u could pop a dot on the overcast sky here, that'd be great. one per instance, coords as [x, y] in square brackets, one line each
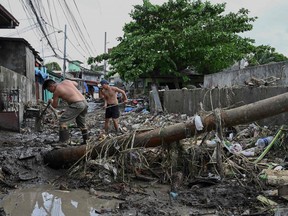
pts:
[95, 17]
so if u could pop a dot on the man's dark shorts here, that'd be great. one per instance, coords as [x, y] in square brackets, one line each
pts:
[112, 111]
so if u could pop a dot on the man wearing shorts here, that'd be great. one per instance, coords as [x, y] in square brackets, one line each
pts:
[109, 93]
[77, 109]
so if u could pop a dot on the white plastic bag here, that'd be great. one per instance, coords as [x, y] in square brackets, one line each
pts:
[198, 122]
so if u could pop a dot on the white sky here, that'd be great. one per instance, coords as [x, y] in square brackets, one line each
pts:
[100, 16]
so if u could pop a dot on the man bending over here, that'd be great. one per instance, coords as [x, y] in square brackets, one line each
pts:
[77, 109]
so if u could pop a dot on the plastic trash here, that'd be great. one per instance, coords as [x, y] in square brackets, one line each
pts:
[211, 143]
[173, 195]
[235, 148]
[263, 142]
[128, 109]
[249, 152]
[230, 137]
[198, 123]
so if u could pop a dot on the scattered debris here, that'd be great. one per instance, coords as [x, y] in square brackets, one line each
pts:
[163, 150]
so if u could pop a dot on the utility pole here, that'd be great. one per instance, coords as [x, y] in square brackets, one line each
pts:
[42, 51]
[105, 42]
[64, 59]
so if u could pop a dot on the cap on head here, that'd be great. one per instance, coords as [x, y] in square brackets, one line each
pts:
[102, 82]
[47, 83]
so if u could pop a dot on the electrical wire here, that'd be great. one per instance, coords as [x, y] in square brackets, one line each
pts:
[84, 25]
[52, 21]
[41, 26]
[42, 21]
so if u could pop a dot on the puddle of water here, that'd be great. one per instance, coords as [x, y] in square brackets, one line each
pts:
[48, 202]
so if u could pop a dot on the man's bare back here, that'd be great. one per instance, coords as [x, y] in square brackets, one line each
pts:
[77, 109]
[66, 90]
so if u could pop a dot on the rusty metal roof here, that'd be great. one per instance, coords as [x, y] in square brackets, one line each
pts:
[6, 19]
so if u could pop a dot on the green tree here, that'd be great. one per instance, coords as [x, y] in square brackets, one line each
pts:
[97, 68]
[52, 66]
[264, 54]
[178, 35]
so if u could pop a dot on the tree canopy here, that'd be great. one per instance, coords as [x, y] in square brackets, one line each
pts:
[51, 66]
[179, 35]
[264, 54]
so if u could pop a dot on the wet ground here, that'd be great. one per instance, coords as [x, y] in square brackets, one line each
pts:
[158, 181]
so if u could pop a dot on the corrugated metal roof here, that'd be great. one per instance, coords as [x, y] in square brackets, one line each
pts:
[6, 19]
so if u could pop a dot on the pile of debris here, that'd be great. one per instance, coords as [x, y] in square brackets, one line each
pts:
[246, 179]
[212, 170]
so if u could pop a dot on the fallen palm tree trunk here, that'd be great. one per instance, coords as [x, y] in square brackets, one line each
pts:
[164, 136]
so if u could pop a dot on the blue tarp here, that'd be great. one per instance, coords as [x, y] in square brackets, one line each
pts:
[96, 89]
[86, 86]
[42, 75]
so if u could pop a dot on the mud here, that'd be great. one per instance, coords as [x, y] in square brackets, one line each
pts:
[140, 183]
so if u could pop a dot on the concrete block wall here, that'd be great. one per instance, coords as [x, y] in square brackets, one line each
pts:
[191, 102]
[232, 78]
[227, 89]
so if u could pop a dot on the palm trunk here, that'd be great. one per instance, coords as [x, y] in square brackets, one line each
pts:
[164, 136]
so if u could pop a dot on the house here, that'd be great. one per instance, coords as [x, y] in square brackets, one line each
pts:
[77, 71]
[17, 75]
[74, 66]
[18, 56]
[7, 20]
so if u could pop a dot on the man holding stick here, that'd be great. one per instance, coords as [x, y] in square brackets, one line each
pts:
[77, 109]
[109, 94]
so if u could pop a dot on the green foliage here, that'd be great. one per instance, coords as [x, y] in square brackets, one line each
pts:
[178, 35]
[52, 66]
[264, 55]
[97, 68]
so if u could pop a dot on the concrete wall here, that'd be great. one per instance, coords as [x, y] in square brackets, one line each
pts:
[9, 81]
[189, 101]
[238, 77]
[30, 64]
[17, 56]
[231, 92]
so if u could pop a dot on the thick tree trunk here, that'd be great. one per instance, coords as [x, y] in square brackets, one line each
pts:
[164, 136]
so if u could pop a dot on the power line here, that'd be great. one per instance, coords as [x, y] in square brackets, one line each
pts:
[83, 23]
[45, 18]
[25, 29]
[41, 27]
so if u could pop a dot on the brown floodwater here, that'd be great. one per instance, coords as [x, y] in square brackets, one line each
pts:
[45, 201]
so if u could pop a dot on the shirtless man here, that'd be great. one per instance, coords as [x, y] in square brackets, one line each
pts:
[109, 93]
[77, 109]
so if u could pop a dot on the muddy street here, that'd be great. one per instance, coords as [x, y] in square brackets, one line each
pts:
[183, 178]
